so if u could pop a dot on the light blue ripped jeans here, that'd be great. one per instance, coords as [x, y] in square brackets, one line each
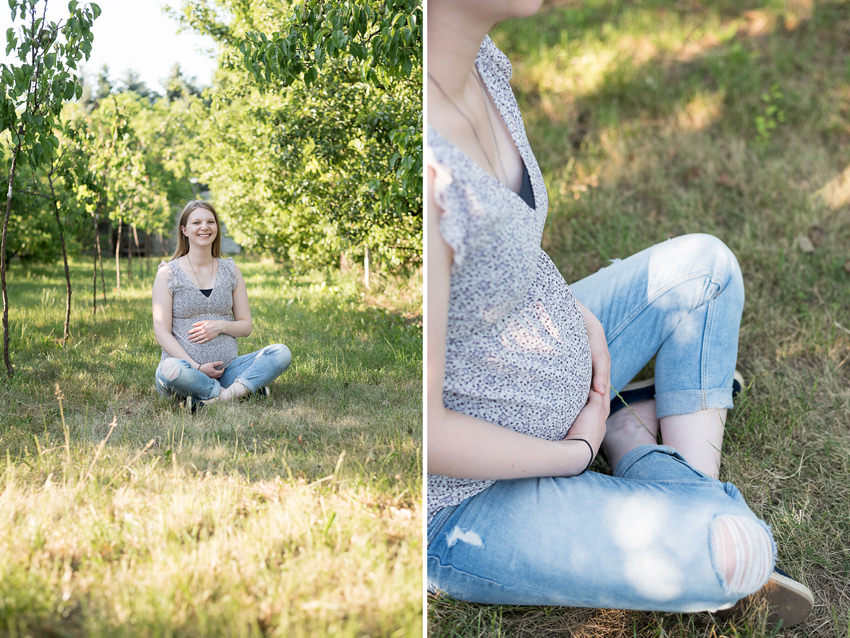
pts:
[658, 534]
[679, 301]
[254, 370]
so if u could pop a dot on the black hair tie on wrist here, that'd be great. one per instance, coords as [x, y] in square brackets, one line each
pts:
[589, 447]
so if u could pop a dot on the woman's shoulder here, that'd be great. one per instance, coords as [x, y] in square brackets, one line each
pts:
[229, 269]
[165, 268]
[165, 273]
[440, 160]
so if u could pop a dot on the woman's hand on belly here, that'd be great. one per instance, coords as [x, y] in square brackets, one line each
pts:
[590, 422]
[600, 358]
[213, 369]
[204, 331]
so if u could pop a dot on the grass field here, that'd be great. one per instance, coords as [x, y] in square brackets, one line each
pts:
[652, 119]
[296, 516]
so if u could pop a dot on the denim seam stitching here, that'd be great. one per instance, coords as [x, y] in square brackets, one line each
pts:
[705, 344]
[625, 322]
[497, 584]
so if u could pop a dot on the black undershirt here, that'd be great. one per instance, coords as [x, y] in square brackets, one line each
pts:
[525, 191]
[206, 291]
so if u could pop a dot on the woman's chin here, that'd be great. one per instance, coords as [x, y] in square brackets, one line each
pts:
[527, 8]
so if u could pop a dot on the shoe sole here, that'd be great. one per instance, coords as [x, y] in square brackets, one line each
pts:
[638, 391]
[788, 601]
[261, 394]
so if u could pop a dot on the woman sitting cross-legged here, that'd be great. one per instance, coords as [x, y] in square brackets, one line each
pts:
[200, 307]
[521, 369]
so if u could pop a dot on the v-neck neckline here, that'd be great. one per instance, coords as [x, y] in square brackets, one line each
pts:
[487, 175]
[485, 84]
[194, 285]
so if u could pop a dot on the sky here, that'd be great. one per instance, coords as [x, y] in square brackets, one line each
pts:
[136, 34]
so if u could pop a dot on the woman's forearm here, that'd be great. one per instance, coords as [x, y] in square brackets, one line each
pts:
[465, 447]
[237, 327]
[172, 347]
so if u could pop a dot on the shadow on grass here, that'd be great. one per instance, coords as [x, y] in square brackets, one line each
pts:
[353, 391]
[763, 49]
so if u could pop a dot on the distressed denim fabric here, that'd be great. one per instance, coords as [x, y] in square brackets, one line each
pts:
[640, 539]
[647, 537]
[681, 302]
[253, 370]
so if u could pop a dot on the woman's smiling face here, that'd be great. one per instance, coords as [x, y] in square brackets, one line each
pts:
[200, 227]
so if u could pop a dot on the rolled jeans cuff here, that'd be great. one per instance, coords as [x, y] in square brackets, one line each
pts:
[690, 401]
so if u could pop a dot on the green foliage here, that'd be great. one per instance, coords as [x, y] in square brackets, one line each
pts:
[381, 37]
[772, 115]
[35, 88]
[114, 163]
[314, 134]
[120, 155]
[32, 229]
[33, 93]
[127, 158]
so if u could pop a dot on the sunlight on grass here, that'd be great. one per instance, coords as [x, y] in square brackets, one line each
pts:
[299, 515]
[170, 548]
[701, 112]
[836, 192]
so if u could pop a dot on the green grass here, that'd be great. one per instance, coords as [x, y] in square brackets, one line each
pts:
[652, 119]
[296, 516]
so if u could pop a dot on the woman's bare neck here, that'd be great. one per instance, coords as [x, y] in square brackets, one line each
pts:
[453, 43]
[200, 258]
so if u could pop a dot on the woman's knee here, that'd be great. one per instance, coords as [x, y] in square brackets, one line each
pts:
[171, 367]
[742, 551]
[167, 373]
[280, 354]
[704, 267]
[717, 259]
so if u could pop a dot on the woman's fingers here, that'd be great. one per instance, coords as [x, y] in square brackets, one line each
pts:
[213, 369]
[203, 331]
[601, 362]
[600, 358]
[198, 333]
[590, 422]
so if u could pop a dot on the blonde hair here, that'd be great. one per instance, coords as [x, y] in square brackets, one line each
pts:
[183, 241]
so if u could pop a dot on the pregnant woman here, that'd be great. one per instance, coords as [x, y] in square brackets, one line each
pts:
[200, 307]
[521, 369]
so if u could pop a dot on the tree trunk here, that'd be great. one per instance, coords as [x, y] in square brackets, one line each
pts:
[94, 252]
[137, 251]
[366, 268]
[99, 255]
[6, 359]
[129, 258]
[67, 329]
[118, 255]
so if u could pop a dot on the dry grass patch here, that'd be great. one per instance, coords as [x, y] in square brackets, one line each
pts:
[299, 515]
